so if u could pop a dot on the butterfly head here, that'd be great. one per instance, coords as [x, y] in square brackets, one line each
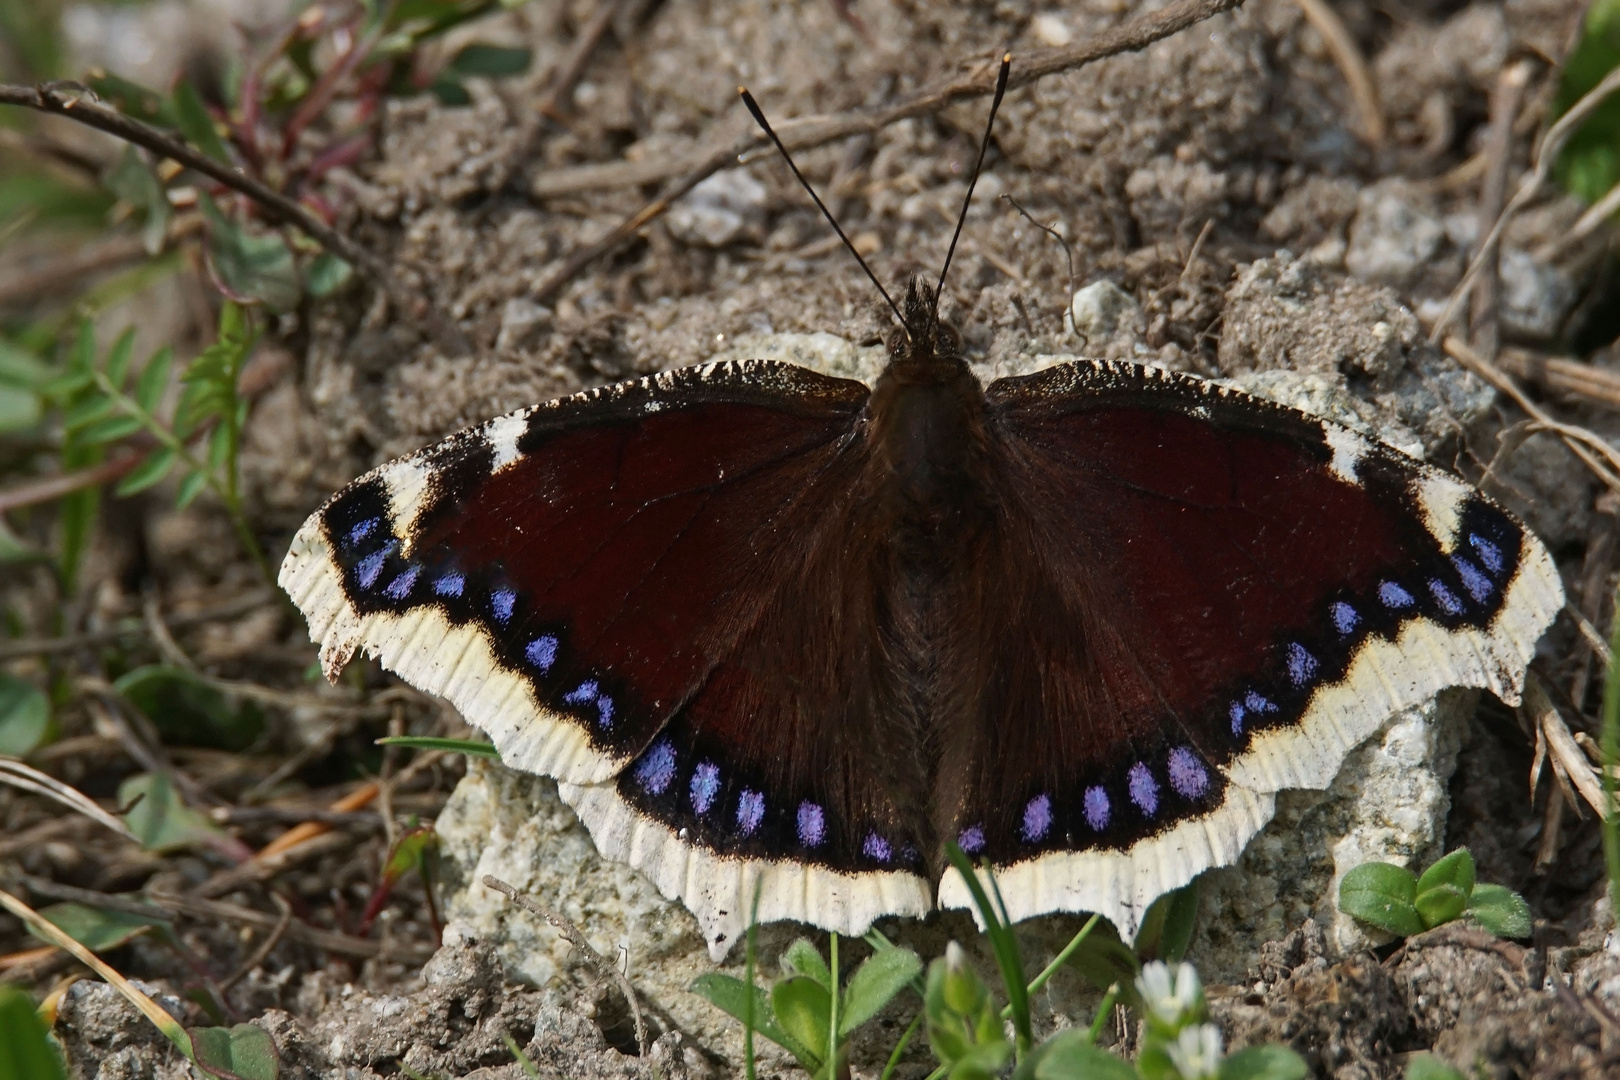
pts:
[924, 340]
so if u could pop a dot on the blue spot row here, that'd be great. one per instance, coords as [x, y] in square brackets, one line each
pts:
[1188, 776]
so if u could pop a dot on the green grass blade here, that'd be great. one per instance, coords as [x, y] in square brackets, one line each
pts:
[1005, 946]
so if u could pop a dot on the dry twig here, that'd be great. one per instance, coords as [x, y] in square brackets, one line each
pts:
[685, 172]
[241, 605]
[82, 106]
[1505, 98]
[576, 938]
[1562, 749]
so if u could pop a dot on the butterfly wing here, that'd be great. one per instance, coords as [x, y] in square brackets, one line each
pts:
[1201, 598]
[630, 590]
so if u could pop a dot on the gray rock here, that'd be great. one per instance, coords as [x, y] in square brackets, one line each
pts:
[1391, 238]
[1535, 296]
[1348, 350]
[1101, 314]
[718, 211]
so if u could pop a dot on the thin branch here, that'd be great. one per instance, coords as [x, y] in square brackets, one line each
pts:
[576, 938]
[251, 601]
[1529, 187]
[687, 171]
[84, 108]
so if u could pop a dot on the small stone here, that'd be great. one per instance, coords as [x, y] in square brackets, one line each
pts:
[1099, 311]
[1535, 297]
[1391, 239]
[1050, 30]
[520, 318]
[719, 211]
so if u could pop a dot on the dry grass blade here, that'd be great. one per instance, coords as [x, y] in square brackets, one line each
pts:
[1595, 215]
[1570, 377]
[576, 938]
[1546, 157]
[150, 1009]
[19, 775]
[1347, 55]
[1566, 754]
[1592, 449]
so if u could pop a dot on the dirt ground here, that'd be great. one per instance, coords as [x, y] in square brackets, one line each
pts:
[1172, 173]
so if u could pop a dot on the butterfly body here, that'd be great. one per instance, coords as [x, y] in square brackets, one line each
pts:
[770, 627]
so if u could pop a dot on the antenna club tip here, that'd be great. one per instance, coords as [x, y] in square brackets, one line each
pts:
[1006, 58]
[742, 91]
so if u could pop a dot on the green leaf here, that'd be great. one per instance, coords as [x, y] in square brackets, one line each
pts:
[1107, 961]
[195, 124]
[1070, 1055]
[409, 851]
[470, 747]
[250, 268]
[1590, 163]
[1268, 1062]
[149, 472]
[20, 367]
[154, 380]
[159, 820]
[25, 716]
[1455, 869]
[1384, 895]
[96, 928]
[87, 412]
[20, 409]
[491, 61]
[729, 994]
[803, 1009]
[117, 366]
[451, 94]
[243, 1051]
[327, 274]
[874, 984]
[133, 181]
[26, 1052]
[1429, 1067]
[188, 711]
[131, 99]
[1002, 942]
[803, 958]
[190, 488]
[1167, 925]
[1440, 905]
[110, 430]
[221, 442]
[1501, 911]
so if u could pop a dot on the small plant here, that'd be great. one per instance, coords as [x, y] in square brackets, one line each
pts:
[1393, 898]
[806, 1012]
[106, 403]
[1178, 1041]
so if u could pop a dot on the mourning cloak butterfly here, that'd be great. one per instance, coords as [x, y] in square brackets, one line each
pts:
[768, 626]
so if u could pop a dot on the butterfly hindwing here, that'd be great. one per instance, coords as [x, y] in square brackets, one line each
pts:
[1225, 596]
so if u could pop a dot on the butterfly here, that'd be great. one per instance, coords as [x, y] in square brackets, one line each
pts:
[772, 629]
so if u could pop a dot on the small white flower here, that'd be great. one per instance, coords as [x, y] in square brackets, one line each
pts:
[1196, 1053]
[1170, 996]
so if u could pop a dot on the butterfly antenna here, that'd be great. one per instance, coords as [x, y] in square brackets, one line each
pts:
[759, 118]
[984, 145]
